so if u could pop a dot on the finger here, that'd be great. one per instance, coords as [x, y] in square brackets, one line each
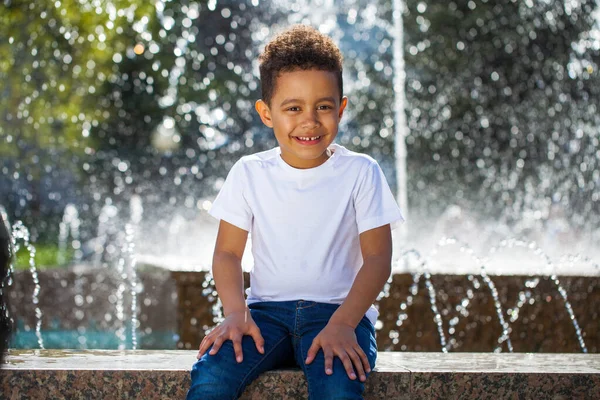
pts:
[258, 340]
[347, 364]
[216, 345]
[209, 339]
[237, 348]
[328, 361]
[312, 351]
[204, 345]
[365, 360]
[200, 351]
[357, 363]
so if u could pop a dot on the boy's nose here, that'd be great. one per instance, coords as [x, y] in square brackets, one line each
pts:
[310, 121]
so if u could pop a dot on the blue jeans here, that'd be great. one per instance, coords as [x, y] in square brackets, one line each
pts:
[288, 328]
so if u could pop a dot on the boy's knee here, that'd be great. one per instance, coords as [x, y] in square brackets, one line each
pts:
[345, 391]
[203, 391]
[212, 382]
[337, 386]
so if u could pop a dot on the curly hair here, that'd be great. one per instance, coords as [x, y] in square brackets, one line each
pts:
[301, 47]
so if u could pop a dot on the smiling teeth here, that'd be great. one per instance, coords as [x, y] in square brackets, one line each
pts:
[309, 138]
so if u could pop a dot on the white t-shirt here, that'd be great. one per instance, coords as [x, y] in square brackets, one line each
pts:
[304, 223]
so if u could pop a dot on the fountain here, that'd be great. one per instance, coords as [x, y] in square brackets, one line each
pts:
[493, 143]
[116, 246]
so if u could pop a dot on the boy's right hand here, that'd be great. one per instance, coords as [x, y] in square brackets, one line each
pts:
[234, 327]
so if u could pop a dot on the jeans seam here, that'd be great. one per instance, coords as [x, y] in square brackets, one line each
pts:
[295, 333]
[256, 366]
[305, 369]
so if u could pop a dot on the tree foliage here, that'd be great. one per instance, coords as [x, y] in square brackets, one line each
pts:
[54, 58]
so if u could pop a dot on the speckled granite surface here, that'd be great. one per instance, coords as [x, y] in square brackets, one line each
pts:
[108, 374]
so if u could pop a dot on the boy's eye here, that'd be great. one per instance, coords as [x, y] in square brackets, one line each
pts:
[321, 107]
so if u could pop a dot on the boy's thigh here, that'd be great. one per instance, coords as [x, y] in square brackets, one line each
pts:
[220, 376]
[338, 385]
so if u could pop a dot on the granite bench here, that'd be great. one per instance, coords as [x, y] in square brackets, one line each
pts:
[156, 374]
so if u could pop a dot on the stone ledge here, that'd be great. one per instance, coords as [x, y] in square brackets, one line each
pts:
[142, 374]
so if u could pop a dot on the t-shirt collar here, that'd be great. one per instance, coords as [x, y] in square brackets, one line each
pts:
[335, 154]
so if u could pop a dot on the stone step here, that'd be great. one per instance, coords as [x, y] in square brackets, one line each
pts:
[157, 374]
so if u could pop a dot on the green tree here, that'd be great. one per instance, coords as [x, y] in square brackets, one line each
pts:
[54, 57]
[194, 77]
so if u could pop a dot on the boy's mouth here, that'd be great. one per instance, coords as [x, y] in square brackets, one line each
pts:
[307, 140]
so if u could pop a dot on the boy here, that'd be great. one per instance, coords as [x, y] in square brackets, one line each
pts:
[320, 220]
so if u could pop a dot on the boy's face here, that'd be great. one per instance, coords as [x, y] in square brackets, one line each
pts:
[304, 113]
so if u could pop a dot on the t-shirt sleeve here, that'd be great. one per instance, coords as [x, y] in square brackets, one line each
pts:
[231, 205]
[374, 202]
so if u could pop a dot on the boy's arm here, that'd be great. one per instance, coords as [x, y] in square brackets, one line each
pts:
[227, 272]
[227, 267]
[376, 248]
[338, 337]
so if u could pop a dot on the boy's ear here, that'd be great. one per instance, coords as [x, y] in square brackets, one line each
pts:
[265, 114]
[343, 105]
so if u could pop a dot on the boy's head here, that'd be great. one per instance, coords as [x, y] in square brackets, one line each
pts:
[303, 101]
[298, 48]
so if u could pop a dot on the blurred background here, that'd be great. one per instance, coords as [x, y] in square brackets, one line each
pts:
[119, 119]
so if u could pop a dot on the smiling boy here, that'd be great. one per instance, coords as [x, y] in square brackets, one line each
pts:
[319, 216]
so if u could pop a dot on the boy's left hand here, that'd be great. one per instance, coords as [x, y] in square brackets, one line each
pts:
[340, 340]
